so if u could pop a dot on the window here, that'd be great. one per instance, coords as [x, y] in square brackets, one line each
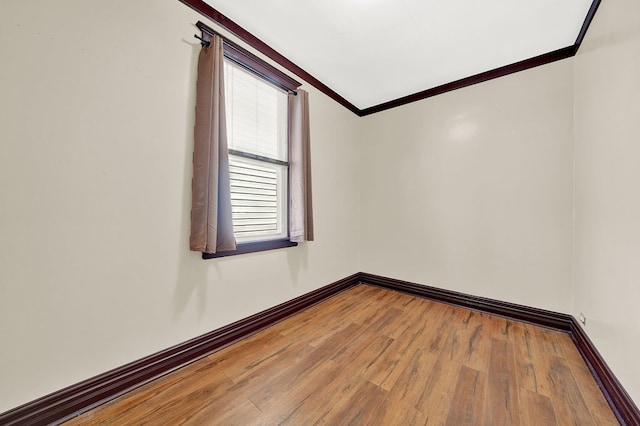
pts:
[257, 102]
[257, 133]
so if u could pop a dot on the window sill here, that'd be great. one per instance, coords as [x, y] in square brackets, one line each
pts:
[252, 247]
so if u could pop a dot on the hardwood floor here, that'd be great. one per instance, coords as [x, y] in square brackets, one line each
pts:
[370, 356]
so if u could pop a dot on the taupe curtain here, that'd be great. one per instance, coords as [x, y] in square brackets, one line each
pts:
[211, 221]
[301, 212]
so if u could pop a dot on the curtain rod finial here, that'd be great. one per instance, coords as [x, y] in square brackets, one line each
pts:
[203, 41]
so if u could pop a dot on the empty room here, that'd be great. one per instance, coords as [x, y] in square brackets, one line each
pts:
[356, 212]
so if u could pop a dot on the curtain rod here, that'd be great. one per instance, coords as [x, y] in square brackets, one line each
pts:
[248, 60]
[202, 40]
[207, 33]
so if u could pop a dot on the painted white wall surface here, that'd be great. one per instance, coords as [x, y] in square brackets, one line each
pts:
[96, 125]
[471, 190]
[607, 187]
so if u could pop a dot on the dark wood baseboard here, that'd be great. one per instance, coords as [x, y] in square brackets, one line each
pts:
[73, 400]
[536, 316]
[619, 400]
[69, 402]
[621, 403]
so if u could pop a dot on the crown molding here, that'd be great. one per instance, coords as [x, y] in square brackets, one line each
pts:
[229, 25]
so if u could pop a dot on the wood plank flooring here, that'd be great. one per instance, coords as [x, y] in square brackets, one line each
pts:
[370, 356]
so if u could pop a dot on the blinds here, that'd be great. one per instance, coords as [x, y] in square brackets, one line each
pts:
[255, 197]
[256, 114]
[257, 138]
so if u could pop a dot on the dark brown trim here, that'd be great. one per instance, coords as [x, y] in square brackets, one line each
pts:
[252, 247]
[253, 41]
[544, 59]
[244, 35]
[249, 61]
[536, 316]
[69, 402]
[619, 400]
[73, 400]
[621, 403]
[585, 25]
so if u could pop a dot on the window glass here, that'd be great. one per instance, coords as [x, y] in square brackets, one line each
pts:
[256, 114]
[257, 137]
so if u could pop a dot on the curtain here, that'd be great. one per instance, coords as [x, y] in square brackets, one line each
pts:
[301, 208]
[211, 221]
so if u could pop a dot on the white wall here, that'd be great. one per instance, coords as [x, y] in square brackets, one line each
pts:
[471, 190]
[96, 122]
[607, 187]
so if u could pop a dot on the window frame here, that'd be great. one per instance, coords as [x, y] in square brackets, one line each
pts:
[247, 60]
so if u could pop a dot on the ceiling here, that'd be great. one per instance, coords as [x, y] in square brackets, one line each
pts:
[371, 52]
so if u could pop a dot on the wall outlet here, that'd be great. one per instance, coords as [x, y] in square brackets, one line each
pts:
[583, 319]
